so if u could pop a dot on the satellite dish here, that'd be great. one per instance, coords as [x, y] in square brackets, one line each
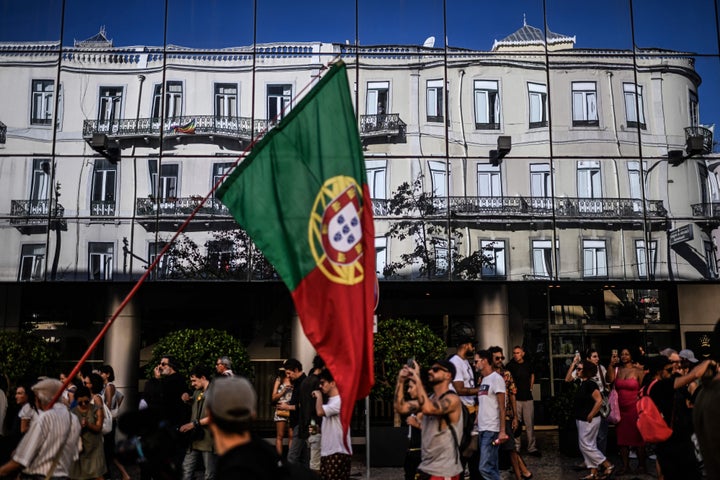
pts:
[429, 42]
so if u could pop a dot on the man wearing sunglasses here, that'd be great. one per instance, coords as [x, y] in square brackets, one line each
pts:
[439, 456]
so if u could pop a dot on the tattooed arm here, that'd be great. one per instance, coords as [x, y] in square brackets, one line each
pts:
[402, 405]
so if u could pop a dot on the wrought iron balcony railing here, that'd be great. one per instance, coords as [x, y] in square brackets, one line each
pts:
[33, 215]
[3, 132]
[235, 127]
[179, 207]
[705, 133]
[709, 210]
[102, 208]
[386, 124]
[536, 206]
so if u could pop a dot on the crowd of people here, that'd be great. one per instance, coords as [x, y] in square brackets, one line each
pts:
[498, 397]
[464, 413]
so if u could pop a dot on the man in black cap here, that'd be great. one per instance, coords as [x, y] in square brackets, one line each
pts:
[231, 408]
[439, 454]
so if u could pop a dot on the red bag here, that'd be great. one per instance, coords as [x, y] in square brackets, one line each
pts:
[651, 424]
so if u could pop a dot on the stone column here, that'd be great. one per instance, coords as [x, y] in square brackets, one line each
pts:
[122, 348]
[492, 323]
[301, 347]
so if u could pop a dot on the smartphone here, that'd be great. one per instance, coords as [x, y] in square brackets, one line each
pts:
[411, 362]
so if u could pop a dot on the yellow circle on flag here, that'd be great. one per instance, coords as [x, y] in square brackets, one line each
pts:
[335, 231]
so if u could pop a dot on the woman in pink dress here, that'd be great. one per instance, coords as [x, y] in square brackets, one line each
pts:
[627, 380]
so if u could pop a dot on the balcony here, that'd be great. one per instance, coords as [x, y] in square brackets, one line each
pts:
[707, 210]
[564, 208]
[32, 216]
[699, 140]
[102, 208]
[386, 125]
[3, 132]
[167, 214]
[240, 128]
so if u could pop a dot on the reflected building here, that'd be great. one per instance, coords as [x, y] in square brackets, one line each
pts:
[538, 193]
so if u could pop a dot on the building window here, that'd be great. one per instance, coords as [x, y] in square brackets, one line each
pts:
[376, 178]
[32, 262]
[537, 102]
[163, 268]
[42, 102]
[226, 100]
[377, 98]
[542, 258]
[173, 100]
[220, 256]
[487, 105]
[694, 109]
[380, 255]
[640, 252]
[711, 260]
[584, 103]
[100, 261]
[540, 180]
[493, 252]
[634, 105]
[435, 108]
[279, 98]
[109, 107]
[589, 183]
[102, 199]
[594, 258]
[40, 186]
[441, 256]
[489, 181]
[165, 187]
[219, 170]
[438, 176]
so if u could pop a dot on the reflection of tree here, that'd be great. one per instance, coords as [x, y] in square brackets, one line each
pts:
[227, 254]
[422, 218]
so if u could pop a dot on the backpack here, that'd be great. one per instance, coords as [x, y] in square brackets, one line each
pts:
[651, 423]
[463, 440]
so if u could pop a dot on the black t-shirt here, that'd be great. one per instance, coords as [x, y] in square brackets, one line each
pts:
[295, 400]
[672, 405]
[258, 460]
[522, 373]
[663, 394]
[584, 401]
[307, 404]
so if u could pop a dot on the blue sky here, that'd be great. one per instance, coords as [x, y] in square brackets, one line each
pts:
[669, 24]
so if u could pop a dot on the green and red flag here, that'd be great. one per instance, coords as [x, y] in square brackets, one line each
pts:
[303, 198]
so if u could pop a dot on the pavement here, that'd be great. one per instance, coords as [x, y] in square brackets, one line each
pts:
[551, 465]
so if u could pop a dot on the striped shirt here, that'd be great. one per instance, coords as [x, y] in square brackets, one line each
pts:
[51, 430]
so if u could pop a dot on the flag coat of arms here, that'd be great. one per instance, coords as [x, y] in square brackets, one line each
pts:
[302, 196]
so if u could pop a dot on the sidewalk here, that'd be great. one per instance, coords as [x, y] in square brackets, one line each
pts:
[552, 465]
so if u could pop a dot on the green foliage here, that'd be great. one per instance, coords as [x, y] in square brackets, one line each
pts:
[25, 354]
[229, 254]
[423, 218]
[191, 347]
[395, 342]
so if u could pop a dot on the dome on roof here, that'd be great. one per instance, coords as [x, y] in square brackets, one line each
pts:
[533, 37]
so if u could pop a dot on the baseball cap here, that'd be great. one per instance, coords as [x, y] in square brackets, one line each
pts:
[462, 340]
[688, 355]
[232, 399]
[448, 365]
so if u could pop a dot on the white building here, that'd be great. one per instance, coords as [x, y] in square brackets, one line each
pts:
[513, 150]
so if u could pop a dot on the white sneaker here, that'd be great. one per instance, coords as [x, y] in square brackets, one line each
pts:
[632, 454]
[652, 456]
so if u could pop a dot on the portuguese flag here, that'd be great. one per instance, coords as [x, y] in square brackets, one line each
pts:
[302, 196]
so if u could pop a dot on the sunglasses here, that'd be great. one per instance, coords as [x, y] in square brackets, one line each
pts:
[499, 358]
[164, 364]
[83, 402]
[669, 369]
[439, 369]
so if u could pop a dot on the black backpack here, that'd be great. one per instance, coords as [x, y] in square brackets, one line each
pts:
[463, 440]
